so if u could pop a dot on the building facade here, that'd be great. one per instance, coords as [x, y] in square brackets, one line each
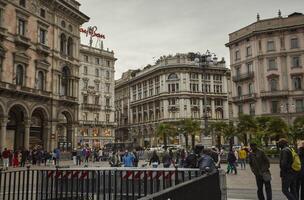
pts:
[267, 67]
[39, 74]
[96, 89]
[169, 91]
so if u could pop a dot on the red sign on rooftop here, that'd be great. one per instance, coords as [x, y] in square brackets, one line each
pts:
[91, 31]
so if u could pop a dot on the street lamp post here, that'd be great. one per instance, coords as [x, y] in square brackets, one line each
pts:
[203, 61]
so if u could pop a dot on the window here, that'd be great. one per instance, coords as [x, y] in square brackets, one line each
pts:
[248, 51]
[206, 88]
[270, 46]
[70, 47]
[63, 24]
[40, 81]
[249, 67]
[295, 61]
[108, 63]
[96, 100]
[108, 75]
[240, 108]
[86, 58]
[71, 28]
[42, 13]
[107, 101]
[22, 3]
[294, 43]
[239, 91]
[97, 72]
[85, 84]
[193, 87]
[65, 81]
[174, 87]
[97, 86]
[63, 44]
[85, 99]
[85, 70]
[19, 75]
[252, 109]
[172, 76]
[219, 114]
[218, 102]
[85, 117]
[217, 77]
[274, 107]
[272, 65]
[250, 88]
[237, 55]
[97, 61]
[299, 105]
[107, 118]
[260, 45]
[238, 72]
[217, 88]
[297, 83]
[193, 76]
[96, 116]
[42, 36]
[21, 27]
[107, 88]
[273, 85]
[206, 77]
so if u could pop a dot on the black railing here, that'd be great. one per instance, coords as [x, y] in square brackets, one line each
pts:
[89, 183]
[206, 187]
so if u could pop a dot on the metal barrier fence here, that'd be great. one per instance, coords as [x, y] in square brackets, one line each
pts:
[206, 187]
[89, 183]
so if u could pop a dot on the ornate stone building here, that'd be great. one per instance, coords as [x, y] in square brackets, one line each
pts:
[267, 67]
[96, 89]
[39, 74]
[169, 91]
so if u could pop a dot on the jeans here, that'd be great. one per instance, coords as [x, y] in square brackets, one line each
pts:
[242, 163]
[5, 162]
[260, 182]
[231, 167]
[300, 187]
[289, 186]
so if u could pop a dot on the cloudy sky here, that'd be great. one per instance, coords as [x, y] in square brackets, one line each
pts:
[140, 31]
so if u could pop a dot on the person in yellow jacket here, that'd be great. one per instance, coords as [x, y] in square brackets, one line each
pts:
[242, 158]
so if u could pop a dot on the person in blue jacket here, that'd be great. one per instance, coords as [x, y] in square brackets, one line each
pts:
[128, 159]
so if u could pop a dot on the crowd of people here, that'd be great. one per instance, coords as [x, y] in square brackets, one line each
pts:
[36, 156]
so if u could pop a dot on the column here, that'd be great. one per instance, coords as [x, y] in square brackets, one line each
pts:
[47, 136]
[213, 108]
[27, 126]
[3, 123]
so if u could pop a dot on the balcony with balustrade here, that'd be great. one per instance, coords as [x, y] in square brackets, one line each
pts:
[243, 77]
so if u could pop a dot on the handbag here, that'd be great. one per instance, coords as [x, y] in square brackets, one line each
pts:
[266, 176]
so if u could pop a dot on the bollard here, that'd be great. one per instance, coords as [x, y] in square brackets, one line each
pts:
[223, 184]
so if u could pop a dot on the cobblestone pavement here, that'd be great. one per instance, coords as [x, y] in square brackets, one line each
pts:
[242, 186]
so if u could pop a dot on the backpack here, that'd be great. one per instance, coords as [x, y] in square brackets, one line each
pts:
[296, 162]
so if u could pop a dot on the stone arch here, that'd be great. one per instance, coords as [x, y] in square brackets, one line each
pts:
[64, 130]
[22, 106]
[2, 109]
[219, 113]
[17, 126]
[39, 127]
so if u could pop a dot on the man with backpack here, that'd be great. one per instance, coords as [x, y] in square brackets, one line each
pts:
[206, 162]
[290, 166]
[191, 160]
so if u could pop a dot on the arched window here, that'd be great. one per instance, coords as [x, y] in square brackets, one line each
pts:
[63, 24]
[63, 44]
[19, 75]
[239, 91]
[70, 28]
[172, 76]
[40, 81]
[65, 81]
[70, 47]
[219, 113]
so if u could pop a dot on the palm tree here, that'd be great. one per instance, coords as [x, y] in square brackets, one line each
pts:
[163, 130]
[218, 129]
[277, 128]
[193, 128]
[296, 131]
[262, 128]
[246, 126]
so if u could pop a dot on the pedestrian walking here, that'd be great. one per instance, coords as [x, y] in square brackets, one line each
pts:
[231, 159]
[24, 157]
[74, 156]
[288, 171]
[136, 159]
[5, 157]
[206, 163]
[114, 160]
[154, 160]
[259, 165]
[242, 158]
[15, 160]
[167, 160]
[300, 179]
[100, 154]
